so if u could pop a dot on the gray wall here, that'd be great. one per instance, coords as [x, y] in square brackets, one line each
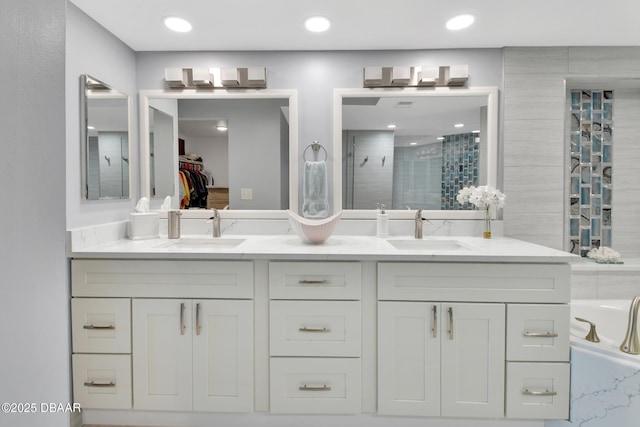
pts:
[90, 49]
[316, 74]
[34, 308]
[535, 156]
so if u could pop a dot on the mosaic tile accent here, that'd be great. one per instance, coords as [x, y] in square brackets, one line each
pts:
[591, 170]
[460, 156]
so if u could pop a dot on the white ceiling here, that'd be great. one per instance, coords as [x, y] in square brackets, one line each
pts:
[367, 24]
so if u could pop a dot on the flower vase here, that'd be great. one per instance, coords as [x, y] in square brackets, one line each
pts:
[487, 223]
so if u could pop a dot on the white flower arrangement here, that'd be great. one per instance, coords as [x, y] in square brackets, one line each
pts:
[604, 254]
[482, 197]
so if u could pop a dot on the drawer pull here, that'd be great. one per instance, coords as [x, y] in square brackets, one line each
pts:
[314, 282]
[540, 334]
[539, 393]
[434, 325]
[198, 319]
[98, 327]
[450, 311]
[95, 384]
[307, 388]
[305, 329]
[182, 319]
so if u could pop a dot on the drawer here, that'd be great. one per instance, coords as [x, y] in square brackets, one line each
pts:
[315, 328]
[538, 332]
[102, 381]
[315, 280]
[538, 390]
[101, 325]
[471, 282]
[315, 385]
[162, 279]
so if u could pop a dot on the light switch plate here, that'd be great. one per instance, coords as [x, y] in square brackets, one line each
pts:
[246, 194]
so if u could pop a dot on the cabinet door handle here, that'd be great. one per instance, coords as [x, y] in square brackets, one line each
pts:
[450, 311]
[98, 327]
[307, 388]
[95, 384]
[182, 318]
[314, 282]
[198, 319]
[540, 334]
[305, 329]
[434, 324]
[539, 393]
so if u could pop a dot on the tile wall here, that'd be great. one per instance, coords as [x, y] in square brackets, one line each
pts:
[460, 154]
[534, 109]
[591, 169]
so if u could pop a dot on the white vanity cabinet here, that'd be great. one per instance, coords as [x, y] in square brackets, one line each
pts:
[315, 337]
[441, 359]
[193, 355]
[451, 335]
[184, 327]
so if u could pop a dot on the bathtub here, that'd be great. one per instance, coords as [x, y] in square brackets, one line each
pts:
[605, 382]
[611, 317]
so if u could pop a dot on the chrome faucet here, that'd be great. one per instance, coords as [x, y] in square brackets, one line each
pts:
[418, 224]
[630, 344]
[216, 223]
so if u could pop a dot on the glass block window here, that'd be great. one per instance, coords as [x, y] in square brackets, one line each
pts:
[460, 157]
[591, 166]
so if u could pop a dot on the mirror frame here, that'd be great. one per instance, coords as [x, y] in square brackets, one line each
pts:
[84, 135]
[411, 92]
[290, 94]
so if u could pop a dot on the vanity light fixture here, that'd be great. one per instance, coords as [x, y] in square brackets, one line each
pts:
[222, 128]
[475, 131]
[91, 127]
[460, 22]
[177, 24]
[459, 125]
[440, 138]
[317, 24]
[413, 143]
[392, 126]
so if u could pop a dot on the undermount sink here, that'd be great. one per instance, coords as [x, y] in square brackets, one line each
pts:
[201, 243]
[426, 245]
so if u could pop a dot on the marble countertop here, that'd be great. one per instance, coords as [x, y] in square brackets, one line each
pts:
[336, 248]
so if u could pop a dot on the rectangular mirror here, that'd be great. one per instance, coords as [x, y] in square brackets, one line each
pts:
[104, 135]
[412, 148]
[233, 150]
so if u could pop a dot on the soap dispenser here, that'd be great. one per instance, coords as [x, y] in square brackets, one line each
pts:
[382, 222]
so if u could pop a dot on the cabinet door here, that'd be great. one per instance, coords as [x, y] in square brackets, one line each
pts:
[473, 360]
[162, 348]
[223, 356]
[409, 358]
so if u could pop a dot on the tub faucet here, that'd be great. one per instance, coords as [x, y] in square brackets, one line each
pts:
[418, 224]
[216, 223]
[630, 344]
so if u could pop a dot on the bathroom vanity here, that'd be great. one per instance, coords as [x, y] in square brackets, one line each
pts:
[440, 327]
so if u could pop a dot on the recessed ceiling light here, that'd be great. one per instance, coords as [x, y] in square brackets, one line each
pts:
[475, 131]
[459, 22]
[221, 128]
[177, 24]
[317, 24]
[392, 126]
[413, 143]
[459, 125]
[91, 127]
[440, 138]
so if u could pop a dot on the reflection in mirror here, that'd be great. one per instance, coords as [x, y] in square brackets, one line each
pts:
[104, 125]
[224, 152]
[415, 150]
